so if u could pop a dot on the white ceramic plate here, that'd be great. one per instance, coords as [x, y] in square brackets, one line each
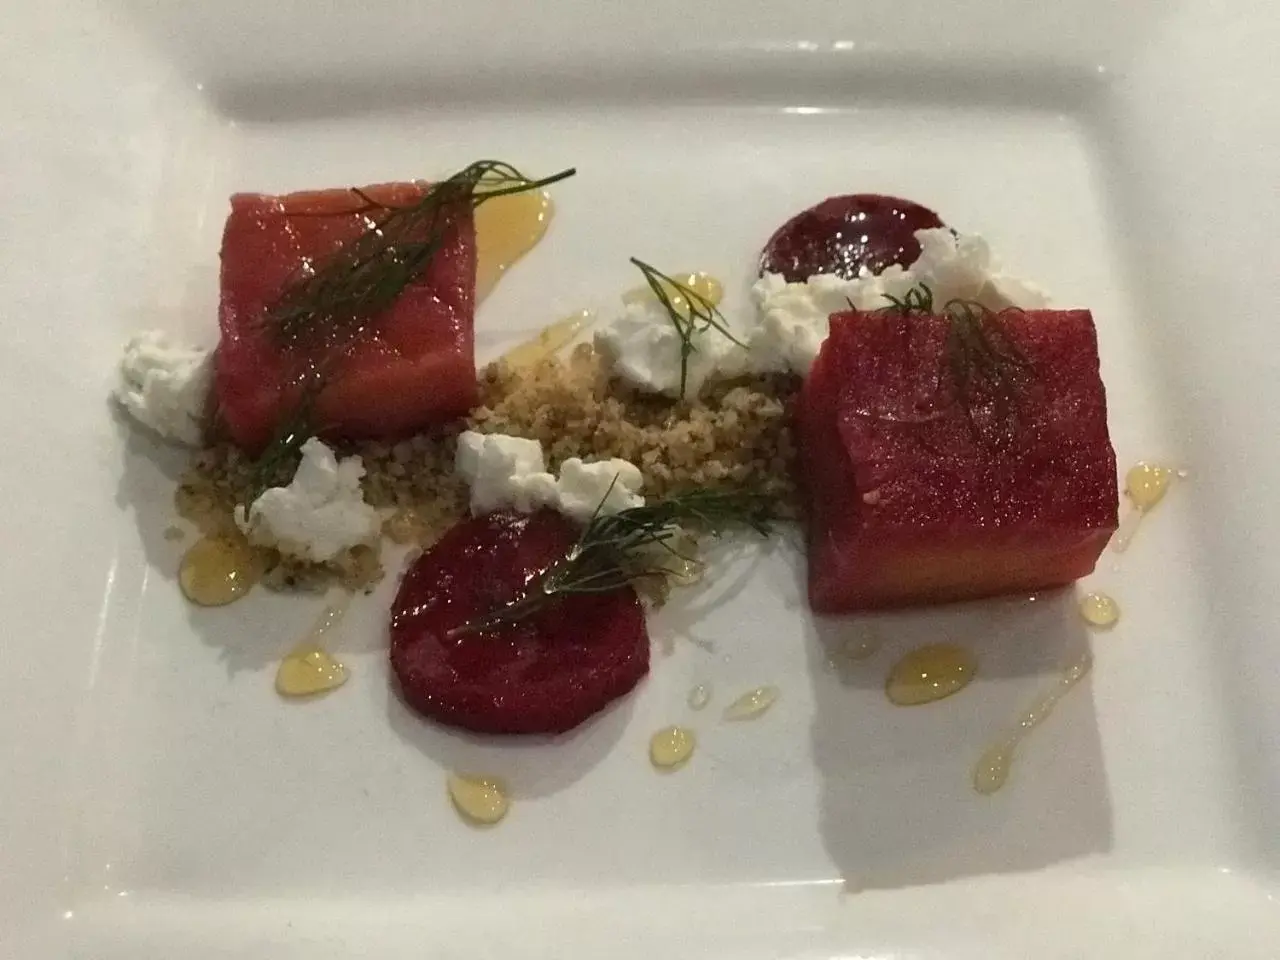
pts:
[160, 801]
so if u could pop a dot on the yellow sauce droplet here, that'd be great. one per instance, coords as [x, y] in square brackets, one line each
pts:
[929, 673]
[752, 704]
[218, 570]
[552, 338]
[308, 669]
[991, 772]
[1099, 610]
[480, 800]
[1144, 486]
[700, 696]
[506, 229]
[703, 285]
[670, 747]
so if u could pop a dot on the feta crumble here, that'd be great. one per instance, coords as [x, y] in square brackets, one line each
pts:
[506, 471]
[643, 348]
[165, 386]
[602, 487]
[795, 317]
[321, 513]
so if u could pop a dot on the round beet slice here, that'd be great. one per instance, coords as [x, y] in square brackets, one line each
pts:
[544, 674]
[842, 235]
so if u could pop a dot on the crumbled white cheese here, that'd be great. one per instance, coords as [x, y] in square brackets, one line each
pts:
[795, 317]
[643, 348]
[165, 386]
[510, 472]
[321, 513]
[504, 471]
[604, 487]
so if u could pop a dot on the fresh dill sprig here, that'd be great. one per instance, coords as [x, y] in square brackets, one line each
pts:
[295, 430]
[367, 274]
[978, 355]
[695, 316]
[619, 549]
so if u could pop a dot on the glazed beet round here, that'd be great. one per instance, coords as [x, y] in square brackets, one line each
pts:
[546, 673]
[841, 235]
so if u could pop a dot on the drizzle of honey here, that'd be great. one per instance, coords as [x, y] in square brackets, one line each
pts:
[507, 228]
[1099, 610]
[480, 800]
[929, 673]
[991, 772]
[702, 284]
[700, 696]
[310, 669]
[1145, 485]
[550, 339]
[219, 570]
[671, 747]
[752, 704]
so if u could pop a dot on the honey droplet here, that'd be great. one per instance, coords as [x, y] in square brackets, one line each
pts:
[481, 800]
[1146, 484]
[752, 704]
[700, 696]
[702, 284]
[506, 229]
[671, 747]
[218, 570]
[1099, 610]
[929, 673]
[550, 339]
[308, 669]
[991, 772]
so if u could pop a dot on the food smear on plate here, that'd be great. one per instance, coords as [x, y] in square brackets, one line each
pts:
[991, 772]
[507, 228]
[671, 747]
[217, 570]
[481, 801]
[953, 453]
[549, 340]
[699, 696]
[1099, 610]
[930, 673]
[752, 704]
[1145, 486]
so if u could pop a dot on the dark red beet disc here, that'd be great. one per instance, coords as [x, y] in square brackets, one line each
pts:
[546, 673]
[841, 235]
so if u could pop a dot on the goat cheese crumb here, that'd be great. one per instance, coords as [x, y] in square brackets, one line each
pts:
[795, 317]
[506, 471]
[165, 386]
[321, 513]
[603, 487]
[643, 348]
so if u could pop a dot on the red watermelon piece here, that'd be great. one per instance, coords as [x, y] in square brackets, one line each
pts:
[915, 498]
[414, 366]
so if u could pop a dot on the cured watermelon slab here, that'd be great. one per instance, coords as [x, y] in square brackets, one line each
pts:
[915, 497]
[414, 365]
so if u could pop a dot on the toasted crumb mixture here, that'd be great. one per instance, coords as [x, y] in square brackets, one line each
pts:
[737, 434]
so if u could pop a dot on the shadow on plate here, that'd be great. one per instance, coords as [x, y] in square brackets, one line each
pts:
[897, 805]
[531, 766]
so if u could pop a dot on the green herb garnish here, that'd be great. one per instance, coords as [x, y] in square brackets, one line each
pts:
[695, 316]
[980, 359]
[619, 549]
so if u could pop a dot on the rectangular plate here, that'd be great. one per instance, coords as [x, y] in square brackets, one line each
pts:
[161, 800]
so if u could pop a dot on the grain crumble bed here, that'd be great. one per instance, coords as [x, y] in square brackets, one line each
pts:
[737, 434]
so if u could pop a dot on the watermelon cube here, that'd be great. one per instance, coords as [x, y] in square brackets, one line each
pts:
[927, 482]
[414, 365]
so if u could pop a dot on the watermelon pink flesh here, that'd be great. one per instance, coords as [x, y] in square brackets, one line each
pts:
[416, 364]
[911, 502]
